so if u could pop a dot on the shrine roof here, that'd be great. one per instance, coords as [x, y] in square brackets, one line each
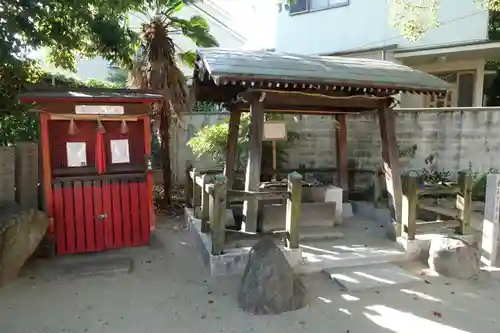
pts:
[260, 69]
[92, 95]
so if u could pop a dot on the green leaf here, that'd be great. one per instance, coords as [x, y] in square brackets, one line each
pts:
[187, 57]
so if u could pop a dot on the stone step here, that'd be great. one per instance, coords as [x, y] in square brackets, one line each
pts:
[317, 256]
[370, 277]
[319, 233]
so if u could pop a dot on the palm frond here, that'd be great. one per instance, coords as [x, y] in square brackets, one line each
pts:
[196, 29]
[187, 57]
[156, 68]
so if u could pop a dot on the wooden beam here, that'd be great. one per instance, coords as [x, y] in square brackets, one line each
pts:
[235, 235]
[293, 100]
[391, 167]
[46, 167]
[205, 203]
[236, 195]
[342, 152]
[218, 216]
[315, 111]
[293, 209]
[409, 207]
[464, 198]
[188, 187]
[232, 147]
[252, 177]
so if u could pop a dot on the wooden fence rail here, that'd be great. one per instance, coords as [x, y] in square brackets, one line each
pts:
[457, 218]
[376, 182]
[208, 195]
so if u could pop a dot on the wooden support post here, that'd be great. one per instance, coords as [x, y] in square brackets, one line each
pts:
[205, 205]
[464, 201]
[377, 191]
[196, 194]
[391, 166]
[489, 243]
[342, 152]
[252, 176]
[188, 190]
[218, 214]
[232, 147]
[410, 202]
[293, 209]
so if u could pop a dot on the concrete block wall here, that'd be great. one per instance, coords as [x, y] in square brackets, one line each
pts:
[7, 179]
[27, 173]
[455, 136]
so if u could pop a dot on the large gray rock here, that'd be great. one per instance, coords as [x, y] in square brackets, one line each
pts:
[21, 231]
[269, 285]
[454, 257]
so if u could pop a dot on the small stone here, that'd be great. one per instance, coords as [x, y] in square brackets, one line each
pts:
[453, 257]
[427, 281]
[269, 285]
[211, 301]
[437, 314]
[302, 323]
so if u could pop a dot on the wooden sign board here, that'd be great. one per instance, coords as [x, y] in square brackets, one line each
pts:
[274, 131]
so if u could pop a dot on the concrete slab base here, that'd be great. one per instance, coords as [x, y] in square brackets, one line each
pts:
[370, 277]
[84, 266]
[418, 249]
[232, 261]
[317, 256]
[347, 210]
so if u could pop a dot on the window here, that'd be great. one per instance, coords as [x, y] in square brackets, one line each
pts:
[461, 93]
[303, 6]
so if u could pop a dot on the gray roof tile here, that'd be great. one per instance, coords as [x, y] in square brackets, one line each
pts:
[342, 71]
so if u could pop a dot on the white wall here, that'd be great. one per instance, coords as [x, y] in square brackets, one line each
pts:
[365, 24]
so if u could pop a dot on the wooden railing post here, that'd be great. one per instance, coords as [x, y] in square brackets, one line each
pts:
[218, 214]
[464, 201]
[409, 206]
[205, 204]
[188, 190]
[377, 193]
[293, 209]
[196, 194]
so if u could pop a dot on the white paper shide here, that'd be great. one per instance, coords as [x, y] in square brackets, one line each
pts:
[76, 154]
[120, 151]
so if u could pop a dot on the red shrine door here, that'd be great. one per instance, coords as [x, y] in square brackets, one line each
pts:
[98, 209]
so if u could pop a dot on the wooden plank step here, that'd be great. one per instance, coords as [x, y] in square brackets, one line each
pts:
[432, 225]
[451, 212]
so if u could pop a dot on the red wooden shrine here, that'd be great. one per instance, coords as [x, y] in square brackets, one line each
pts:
[97, 177]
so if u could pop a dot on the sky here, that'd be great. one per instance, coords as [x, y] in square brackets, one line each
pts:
[256, 20]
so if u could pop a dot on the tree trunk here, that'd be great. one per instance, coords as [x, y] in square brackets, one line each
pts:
[165, 146]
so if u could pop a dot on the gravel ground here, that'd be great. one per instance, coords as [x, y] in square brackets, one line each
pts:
[168, 291]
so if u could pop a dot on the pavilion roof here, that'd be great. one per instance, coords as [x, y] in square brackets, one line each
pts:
[260, 69]
[92, 95]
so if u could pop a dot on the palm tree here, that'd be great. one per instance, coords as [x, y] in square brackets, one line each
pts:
[156, 67]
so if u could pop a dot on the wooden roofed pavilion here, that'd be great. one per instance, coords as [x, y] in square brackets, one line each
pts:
[260, 82]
